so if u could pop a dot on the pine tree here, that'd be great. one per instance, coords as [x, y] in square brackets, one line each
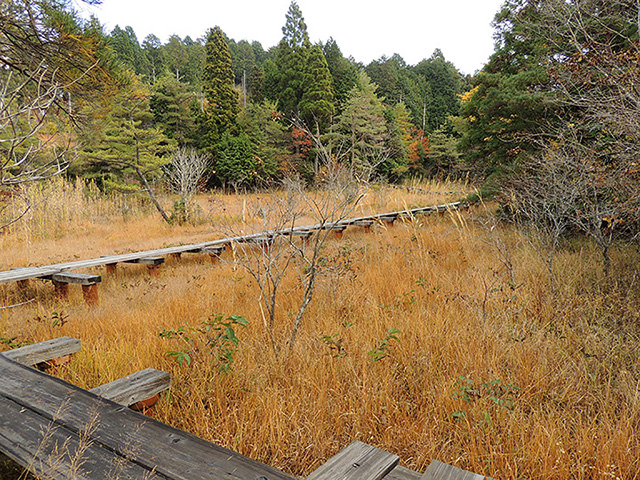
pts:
[316, 106]
[363, 127]
[151, 47]
[170, 105]
[126, 148]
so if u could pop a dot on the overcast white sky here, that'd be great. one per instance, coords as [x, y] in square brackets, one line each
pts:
[364, 29]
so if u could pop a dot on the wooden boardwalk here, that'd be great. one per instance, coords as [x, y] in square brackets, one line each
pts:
[59, 431]
[47, 272]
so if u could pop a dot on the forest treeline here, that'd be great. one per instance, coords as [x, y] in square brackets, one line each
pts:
[549, 126]
[255, 111]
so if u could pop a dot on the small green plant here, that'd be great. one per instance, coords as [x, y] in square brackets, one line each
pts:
[401, 300]
[10, 342]
[57, 319]
[334, 342]
[216, 335]
[495, 391]
[383, 347]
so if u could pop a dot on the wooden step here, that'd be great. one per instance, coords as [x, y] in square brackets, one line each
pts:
[134, 388]
[44, 351]
[76, 278]
[147, 261]
[441, 471]
[357, 461]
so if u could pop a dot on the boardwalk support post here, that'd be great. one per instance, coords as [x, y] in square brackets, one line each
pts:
[89, 283]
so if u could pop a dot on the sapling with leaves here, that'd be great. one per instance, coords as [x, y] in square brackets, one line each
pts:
[216, 336]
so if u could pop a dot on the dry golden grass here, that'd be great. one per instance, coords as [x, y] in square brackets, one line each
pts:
[493, 377]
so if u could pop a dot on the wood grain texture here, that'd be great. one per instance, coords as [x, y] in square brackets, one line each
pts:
[44, 351]
[357, 461]
[48, 450]
[76, 278]
[135, 387]
[157, 447]
[402, 473]
[441, 471]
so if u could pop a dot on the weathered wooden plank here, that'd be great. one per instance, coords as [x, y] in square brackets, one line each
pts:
[336, 227]
[48, 450]
[402, 473]
[170, 452]
[148, 261]
[44, 351]
[76, 278]
[441, 471]
[212, 250]
[301, 233]
[356, 461]
[135, 387]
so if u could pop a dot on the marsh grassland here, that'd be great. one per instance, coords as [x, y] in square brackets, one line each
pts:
[437, 338]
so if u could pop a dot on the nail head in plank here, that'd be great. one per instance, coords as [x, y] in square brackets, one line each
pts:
[441, 471]
[135, 387]
[44, 351]
[356, 461]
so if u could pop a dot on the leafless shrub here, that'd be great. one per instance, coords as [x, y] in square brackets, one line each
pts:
[185, 174]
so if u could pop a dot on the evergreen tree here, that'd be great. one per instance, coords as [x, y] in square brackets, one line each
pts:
[151, 47]
[175, 56]
[398, 139]
[221, 107]
[170, 105]
[295, 29]
[285, 82]
[441, 98]
[363, 127]
[243, 59]
[128, 50]
[269, 136]
[256, 84]
[509, 105]
[343, 73]
[235, 160]
[196, 57]
[316, 106]
[397, 83]
[258, 53]
[126, 148]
